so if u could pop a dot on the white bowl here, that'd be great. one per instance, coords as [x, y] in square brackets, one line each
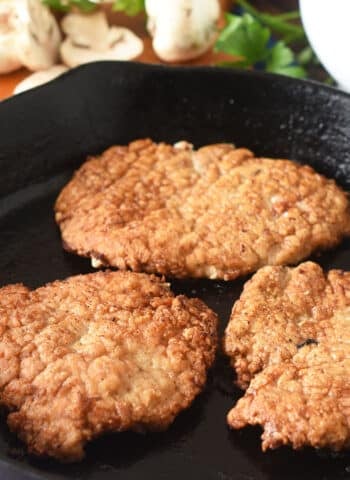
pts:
[327, 25]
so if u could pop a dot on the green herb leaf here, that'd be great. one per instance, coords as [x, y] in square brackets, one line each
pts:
[280, 59]
[305, 56]
[130, 7]
[244, 37]
[280, 24]
[279, 56]
[56, 5]
[292, 71]
[66, 5]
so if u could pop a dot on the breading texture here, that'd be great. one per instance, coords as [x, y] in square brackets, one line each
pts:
[217, 212]
[289, 336]
[109, 351]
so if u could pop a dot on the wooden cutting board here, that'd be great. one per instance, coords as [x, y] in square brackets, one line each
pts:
[138, 25]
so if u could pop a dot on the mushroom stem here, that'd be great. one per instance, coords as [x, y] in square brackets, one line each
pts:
[182, 29]
[90, 38]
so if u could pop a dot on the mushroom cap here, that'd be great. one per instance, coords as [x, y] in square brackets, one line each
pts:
[90, 39]
[182, 29]
[9, 24]
[40, 78]
[29, 35]
[39, 42]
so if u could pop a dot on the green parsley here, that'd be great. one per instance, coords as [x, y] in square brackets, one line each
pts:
[280, 60]
[244, 37]
[66, 5]
[248, 38]
[130, 7]
[281, 24]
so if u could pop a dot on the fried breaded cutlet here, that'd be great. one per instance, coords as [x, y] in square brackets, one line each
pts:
[99, 353]
[289, 336]
[217, 212]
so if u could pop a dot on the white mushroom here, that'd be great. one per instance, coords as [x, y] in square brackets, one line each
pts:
[39, 47]
[39, 78]
[29, 35]
[9, 23]
[8, 54]
[182, 29]
[89, 39]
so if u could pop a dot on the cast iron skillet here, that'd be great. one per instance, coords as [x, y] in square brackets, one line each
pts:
[46, 133]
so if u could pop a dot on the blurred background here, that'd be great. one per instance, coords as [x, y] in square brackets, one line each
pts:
[42, 39]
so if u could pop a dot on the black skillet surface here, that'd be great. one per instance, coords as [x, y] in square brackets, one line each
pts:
[46, 133]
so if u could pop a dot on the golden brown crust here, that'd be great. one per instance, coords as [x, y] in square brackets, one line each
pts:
[100, 352]
[289, 336]
[217, 212]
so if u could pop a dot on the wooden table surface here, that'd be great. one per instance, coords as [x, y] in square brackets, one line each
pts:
[137, 24]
